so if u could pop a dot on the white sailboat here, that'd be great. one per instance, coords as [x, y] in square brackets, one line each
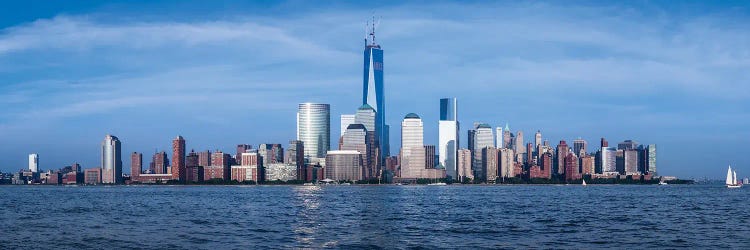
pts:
[732, 179]
[583, 183]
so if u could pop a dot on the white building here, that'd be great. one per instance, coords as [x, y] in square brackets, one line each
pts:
[412, 146]
[448, 130]
[34, 163]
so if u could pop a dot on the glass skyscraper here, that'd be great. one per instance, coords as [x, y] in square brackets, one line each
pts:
[373, 91]
[314, 128]
[448, 137]
[111, 160]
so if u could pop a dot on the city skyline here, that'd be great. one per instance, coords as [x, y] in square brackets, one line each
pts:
[79, 106]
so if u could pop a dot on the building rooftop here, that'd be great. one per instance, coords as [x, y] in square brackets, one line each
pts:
[411, 116]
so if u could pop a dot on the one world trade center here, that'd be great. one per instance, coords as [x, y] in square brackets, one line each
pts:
[373, 92]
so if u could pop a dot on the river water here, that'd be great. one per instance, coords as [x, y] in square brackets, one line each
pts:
[390, 217]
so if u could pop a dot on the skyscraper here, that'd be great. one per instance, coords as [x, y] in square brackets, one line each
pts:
[579, 147]
[412, 146]
[136, 165]
[448, 136]
[562, 152]
[314, 128]
[204, 158]
[651, 159]
[111, 160]
[483, 138]
[506, 163]
[346, 120]
[537, 139]
[518, 144]
[34, 163]
[373, 89]
[178, 158]
[506, 137]
[355, 138]
[372, 162]
[489, 164]
[499, 138]
[464, 165]
[295, 154]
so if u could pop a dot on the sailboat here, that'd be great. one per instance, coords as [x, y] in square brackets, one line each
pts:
[583, 183]
[732, 179]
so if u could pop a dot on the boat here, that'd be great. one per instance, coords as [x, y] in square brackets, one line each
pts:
[662, 183]
[732, 179]
[583, 183]
[437, 184]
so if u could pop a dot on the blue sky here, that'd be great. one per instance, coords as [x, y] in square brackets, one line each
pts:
[221, 73]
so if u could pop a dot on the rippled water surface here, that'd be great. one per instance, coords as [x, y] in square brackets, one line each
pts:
[242, 217]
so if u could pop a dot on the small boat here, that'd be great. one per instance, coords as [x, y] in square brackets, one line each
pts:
[437, 184]
[583, 183]
[732, 179]
[662, 183]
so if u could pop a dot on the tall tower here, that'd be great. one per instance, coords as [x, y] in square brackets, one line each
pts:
[373, 90]
[314, 128]
[178, 159]
[34, 163]
[412, 146]
[448, 137]
[111, 160]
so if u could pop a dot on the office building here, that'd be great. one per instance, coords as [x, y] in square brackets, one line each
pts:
[271, 153]
[561, 153]
[579, 146]
[429, 156]
[518, 145]
[412, 146]
[489, 164]
[651, 159]
[314, 128]
[464, 161]
[34, 163]
[499, 138]
[346, 120]
[506, 162]
[538, 139]
[608, 160]
[111, 160]
[483, 138]
[366, 116]
[343, 165]
[373, 91]
[627, 145]
[448, 134]
[507, 141]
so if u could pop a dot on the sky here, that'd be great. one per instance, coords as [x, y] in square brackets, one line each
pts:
[222, 73]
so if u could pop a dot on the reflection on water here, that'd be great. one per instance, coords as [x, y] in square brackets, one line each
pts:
[374, 217]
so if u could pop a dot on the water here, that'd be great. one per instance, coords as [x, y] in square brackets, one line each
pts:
[242, 217]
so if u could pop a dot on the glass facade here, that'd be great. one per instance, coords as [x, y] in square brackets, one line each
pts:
[111, 160]
[314, 128]
[373, 92]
